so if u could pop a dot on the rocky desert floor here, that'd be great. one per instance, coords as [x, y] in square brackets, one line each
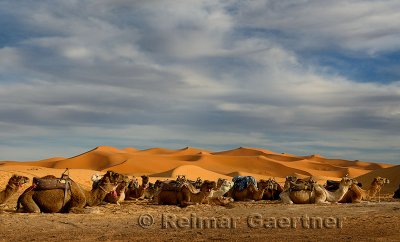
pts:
[242, 221]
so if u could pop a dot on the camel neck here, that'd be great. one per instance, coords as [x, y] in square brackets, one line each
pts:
[7, 193]
[95, 196]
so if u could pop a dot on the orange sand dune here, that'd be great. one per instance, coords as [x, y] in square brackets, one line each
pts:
[167, 163]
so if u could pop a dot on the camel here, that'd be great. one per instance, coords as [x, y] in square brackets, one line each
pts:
[196, 183]
[318, 194]
[397, 193]
[356, 193]
[137, 192]
[376, 186]
[273, 189]
[251, 192]
[184, 194]
[53, 200]
[13, 185]
[223, 186]
[118, 195]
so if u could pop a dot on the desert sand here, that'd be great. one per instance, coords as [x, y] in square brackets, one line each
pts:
[366, 221]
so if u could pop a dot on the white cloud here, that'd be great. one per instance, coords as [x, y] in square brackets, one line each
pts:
[160, 73]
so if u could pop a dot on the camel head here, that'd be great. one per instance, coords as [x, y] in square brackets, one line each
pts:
[107, 185]
[115, 177]
[181, 178]
[272, 184]
[133, 184]
[380, 181]
[157, 184]
[220, 182]
[207, 186]
[17, 181]
[291, 178]
[347, 181]
[262, 184]
[145, 179]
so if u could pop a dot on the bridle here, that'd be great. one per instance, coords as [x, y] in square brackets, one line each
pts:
[103, 189]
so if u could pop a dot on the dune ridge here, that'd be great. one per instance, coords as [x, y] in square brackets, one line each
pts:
[193, 162]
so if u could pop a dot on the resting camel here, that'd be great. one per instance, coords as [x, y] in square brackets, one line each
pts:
[272, 191]
[137, 192]
[184, 194]
[118, 195]
[356, 193]
[197, 183]
[13, 185]
[317, 195]
[223, 186]
[53, 200]
[251, 192]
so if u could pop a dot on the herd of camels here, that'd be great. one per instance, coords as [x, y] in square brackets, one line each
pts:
[50, 194]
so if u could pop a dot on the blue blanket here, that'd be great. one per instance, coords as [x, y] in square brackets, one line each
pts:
[242, 182]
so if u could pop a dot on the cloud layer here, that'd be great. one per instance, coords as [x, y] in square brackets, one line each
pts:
[211, 74]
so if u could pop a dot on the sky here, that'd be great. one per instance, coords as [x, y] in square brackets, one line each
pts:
[299, 77]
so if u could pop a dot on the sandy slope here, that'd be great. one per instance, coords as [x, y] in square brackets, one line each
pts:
[167, 163]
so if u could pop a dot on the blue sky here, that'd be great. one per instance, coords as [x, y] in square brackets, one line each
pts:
[299, 77]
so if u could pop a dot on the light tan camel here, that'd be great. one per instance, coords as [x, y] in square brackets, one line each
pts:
[13, 185]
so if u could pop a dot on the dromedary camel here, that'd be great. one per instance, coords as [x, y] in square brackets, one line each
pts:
[184, 193]
[356, 193]
[13, 185]
[318, 194]
[251, 192]
[56, 200]
[223, 186]
[137, 192]
[273, 189]
[118, 195]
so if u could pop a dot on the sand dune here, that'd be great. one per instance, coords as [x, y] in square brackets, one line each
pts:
[193, 162]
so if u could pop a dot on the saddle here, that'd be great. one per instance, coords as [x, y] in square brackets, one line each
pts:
[51, 183]
[301, 186]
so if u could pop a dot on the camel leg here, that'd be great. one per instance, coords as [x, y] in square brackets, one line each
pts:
[28, 204]
[285, 198]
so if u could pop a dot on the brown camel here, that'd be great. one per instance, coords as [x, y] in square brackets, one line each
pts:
[251, 192]
[184, 194]
[376, 186]
[118, 195]
[273, 189]
[53, 200]
[137, 192]
[13, 185]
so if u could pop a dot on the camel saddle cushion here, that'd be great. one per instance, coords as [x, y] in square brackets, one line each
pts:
[51, 183]
[242, 182]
